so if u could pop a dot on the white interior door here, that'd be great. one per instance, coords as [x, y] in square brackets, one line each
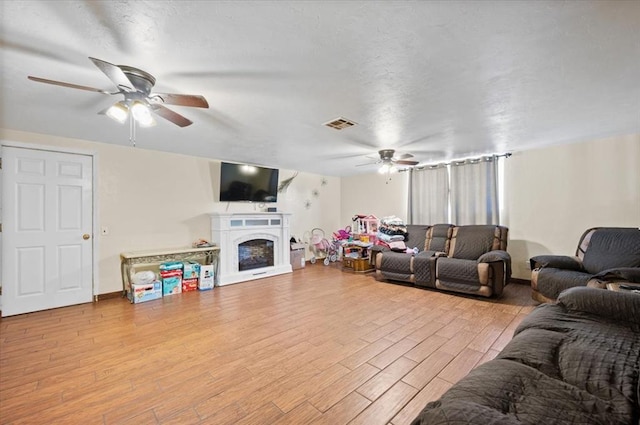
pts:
[47, 247]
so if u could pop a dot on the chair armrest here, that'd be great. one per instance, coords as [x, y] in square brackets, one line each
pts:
[498, 256]
[495, 256]
[557, 262]
[379, 248]
[430, 254]
[610, 304]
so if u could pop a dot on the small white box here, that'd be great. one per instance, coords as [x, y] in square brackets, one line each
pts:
[145, 292]
[206, 279]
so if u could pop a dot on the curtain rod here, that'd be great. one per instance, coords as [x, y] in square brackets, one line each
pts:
[457, 162]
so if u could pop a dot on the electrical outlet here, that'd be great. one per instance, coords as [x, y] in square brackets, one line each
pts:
[105, 231]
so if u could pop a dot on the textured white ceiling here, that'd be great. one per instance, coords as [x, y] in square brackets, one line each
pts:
[439, 79]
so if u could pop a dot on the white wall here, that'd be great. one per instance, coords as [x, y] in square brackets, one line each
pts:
[374, 194]
[155, 200]
[554, 194]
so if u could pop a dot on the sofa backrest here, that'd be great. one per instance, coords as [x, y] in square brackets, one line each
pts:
[416, 235]
[602, 248]
[439, 238]
[470, 242]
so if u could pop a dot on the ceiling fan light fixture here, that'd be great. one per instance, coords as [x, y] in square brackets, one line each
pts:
[118, 112]
[142, 114]
[387, 168]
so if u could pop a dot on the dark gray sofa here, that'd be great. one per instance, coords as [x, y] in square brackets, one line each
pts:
[574, 362]
[469, 259]
[604, 255]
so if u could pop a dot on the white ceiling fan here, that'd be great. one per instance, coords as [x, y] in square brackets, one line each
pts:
[139, 102]
[388, 160]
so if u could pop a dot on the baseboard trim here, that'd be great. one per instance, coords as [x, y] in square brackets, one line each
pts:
[118, 294]
[109, 295]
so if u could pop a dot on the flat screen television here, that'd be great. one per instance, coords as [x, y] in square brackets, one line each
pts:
[247, 183]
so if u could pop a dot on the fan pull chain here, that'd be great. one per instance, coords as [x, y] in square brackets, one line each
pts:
[132, 131]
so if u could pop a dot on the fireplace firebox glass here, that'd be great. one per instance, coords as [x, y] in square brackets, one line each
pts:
[255, 254]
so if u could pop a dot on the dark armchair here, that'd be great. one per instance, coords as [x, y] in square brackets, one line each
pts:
[477, 261]
[604, 255]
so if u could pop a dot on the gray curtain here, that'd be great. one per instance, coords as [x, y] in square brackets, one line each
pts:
[429, 195]
[474, 191]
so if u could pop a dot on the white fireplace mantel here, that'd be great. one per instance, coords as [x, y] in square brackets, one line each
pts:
[228, 230]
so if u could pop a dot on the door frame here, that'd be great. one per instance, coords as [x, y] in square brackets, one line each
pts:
[95, 284]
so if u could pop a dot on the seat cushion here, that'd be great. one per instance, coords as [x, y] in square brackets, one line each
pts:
[456, 270]
[550, 282]
[396, 262]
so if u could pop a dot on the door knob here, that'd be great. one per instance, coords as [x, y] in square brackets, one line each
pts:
[86, 236]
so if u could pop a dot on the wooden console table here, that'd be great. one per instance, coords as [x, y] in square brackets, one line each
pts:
[128, 260]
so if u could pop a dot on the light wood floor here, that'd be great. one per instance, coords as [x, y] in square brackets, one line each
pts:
[317, 346]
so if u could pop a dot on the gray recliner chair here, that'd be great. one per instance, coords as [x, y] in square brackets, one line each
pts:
[604, 255]
[477, 262]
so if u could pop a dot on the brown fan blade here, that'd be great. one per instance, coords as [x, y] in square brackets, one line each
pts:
[403, 162]
[169, 115]
[114, 73]
[180, 99]
[104, 111]
[63, 84]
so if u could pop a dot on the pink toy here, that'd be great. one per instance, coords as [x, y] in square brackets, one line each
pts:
[342, 234]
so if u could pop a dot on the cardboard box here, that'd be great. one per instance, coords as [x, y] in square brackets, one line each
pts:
[297, 256]
[189, 285]
[190, 270]
[139, 293]
[360, 265]
[171, 285]
[297, 246]
[206, 279]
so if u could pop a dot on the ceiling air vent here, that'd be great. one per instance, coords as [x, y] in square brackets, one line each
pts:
[340, 123]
